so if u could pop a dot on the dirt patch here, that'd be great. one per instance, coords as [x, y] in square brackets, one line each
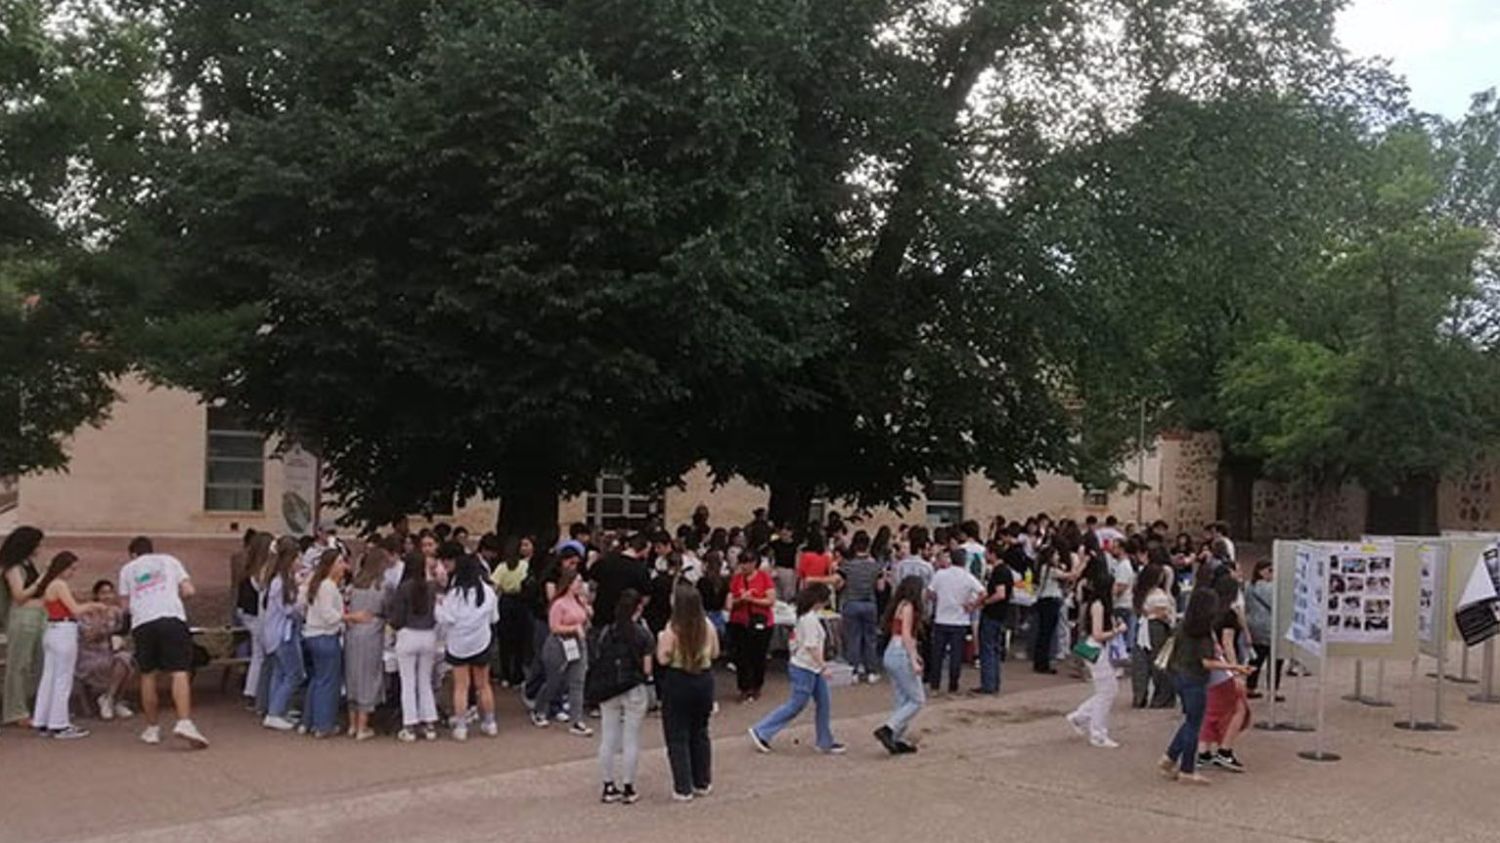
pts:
[1003, 716]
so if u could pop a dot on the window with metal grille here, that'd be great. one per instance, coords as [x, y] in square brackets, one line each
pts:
[945, 499]
[613, 505]
[235, 480]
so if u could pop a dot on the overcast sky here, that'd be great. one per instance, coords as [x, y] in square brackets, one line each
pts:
[1446, 49]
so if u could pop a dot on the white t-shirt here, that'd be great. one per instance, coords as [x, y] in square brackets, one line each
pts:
[1229, 546]
[808, 638]
[1107, 535]
[152, 584]
[954, 588]
[1124, 574]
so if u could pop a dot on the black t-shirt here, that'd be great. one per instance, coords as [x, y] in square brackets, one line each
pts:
[247, 599]
[659, 610]
[999, 576]
[1015, 558]
[715, 592]
[611, 576]
[534, 589]
[784, 553]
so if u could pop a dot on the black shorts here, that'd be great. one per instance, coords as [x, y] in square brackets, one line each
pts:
[164, 644]
[481, 659]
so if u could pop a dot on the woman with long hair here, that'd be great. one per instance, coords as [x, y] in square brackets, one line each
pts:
[512, 633]
[323, 603]
[1054, 572]
[806, 670]
[364, 642]
[903, 663]
[1097, 624]
[566, 653]
[1152, 599]
[281, 636]
[1193, 657]
[685, 653]
[713, 587]
[59, 649]
[411, 613]
[25, 623]
[247, 594]
[103, 670]
[1228, 710]
[1259, 596]
[468, 611]
[625, 649]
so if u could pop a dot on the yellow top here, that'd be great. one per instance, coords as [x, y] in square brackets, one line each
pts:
[508, 580]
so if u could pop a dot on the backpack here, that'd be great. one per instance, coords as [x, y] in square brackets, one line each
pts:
[615, 670]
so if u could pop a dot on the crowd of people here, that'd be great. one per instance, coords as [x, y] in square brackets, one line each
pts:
[611, 625]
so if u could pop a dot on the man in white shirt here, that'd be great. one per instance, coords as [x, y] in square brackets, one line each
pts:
[957, 593]
[152, 586]
[1110, 532]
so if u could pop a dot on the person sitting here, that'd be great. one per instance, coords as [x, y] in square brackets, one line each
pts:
[105, 666]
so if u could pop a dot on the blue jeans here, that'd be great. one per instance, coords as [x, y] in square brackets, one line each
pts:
[287, 673]
[860, 636]
[906, 688]
[947, 639]
[1194, 696]
[805, 685]
[991, 635]
[323, 685]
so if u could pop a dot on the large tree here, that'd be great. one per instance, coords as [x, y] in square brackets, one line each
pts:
[71, 121]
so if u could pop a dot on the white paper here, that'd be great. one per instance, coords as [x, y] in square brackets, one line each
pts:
[1309, 599]
[1432, 592]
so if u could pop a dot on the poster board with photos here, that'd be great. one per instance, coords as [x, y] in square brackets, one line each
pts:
[1432, 597]
[1308, 613]
[1386, 618]
[1465, 550]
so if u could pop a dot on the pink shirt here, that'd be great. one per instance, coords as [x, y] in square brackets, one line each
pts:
[567, 611]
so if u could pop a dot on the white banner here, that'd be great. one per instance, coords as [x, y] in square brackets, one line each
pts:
[1361, 592]
[299, 495]
[1432, 597]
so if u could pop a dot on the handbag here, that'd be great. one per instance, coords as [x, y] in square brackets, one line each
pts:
[1087, 650]
[1164, 658]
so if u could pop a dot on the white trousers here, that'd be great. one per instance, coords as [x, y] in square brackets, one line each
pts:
[59, 658]
[251, 623]
[416, 655]
[1095, 710]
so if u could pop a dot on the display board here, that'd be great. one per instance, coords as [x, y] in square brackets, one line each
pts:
[1309, 600]
[1392, 608]
[1432, 596]
[299, 496]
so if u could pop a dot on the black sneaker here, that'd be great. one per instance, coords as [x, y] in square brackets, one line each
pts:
[1228, 761]
[887, 739]
[904, 748]
[1206, 759]
[628, 796]
[611, 793]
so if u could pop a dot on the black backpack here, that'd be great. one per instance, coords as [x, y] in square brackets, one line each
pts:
[615, 670]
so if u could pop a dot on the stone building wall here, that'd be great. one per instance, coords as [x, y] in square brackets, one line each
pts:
[1189, 490]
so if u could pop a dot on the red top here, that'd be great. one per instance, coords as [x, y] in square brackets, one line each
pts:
[57, 610]
[811, 564]
[758, 584]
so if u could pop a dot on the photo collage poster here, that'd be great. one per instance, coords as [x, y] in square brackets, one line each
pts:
[1361, 594]
[1431, 592]
[1309, 593]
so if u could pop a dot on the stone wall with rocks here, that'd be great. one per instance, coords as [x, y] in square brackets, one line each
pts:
[1190, 479]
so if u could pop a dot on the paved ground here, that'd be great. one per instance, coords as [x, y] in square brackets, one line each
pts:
[989, 768]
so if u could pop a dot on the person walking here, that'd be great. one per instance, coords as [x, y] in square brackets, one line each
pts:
[25, 623]
[903, 664]
[364, 642]
[957, 594]
[1228, 710]
[685, 652]
[625, 653]
[152, 587]
[412, 613]
[859, 575]
[1193, 657]
[323, 604]
[752, 593]
[805, 669]
[468, 612]
[566, 654]
[1258, 599]
[59, 649]
[1098, 625]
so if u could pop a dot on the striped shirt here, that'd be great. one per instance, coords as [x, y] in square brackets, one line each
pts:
[860, 574]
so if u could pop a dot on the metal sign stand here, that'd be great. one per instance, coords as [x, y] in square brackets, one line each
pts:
[1319, 752]
[1487, 670]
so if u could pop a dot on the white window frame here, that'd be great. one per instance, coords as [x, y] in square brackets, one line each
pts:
[633, 511]
[255, 488]
[945, 510]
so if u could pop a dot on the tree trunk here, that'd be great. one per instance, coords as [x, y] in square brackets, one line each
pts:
[528, 510]
[790, 502]
[1408, 509]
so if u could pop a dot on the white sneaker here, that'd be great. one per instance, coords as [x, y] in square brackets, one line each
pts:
[106, 707]
[186, 731]
[1103, 742]
[562, 717]
[872, 678]
[280, 724]
[123, 711]
[1076, 724]
[151, 735]
[460, 733]
[406, 736]
[489, 729]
